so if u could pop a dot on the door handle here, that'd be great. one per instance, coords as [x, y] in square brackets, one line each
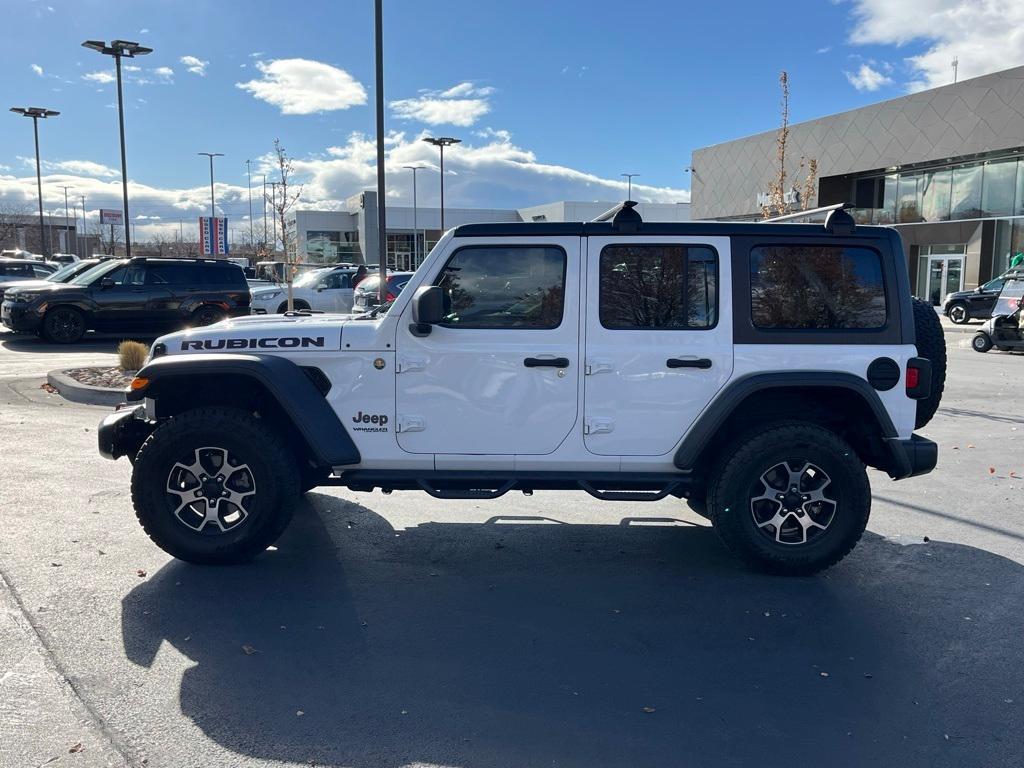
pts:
[688, 362]
[546, 362]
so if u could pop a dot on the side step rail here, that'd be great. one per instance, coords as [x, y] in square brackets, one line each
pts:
[466, 493]
[629, 495]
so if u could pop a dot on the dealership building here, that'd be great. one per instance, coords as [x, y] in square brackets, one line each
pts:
[351, 234]
[944, 166]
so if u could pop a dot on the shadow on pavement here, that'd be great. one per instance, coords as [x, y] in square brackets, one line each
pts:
[91, 342]
[534, 643]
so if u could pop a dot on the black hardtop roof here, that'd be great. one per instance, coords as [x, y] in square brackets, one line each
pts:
[184, 260]
[689, 228]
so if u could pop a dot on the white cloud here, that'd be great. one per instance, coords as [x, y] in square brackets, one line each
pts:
[194, 65]
[144, 31]
[101, 77]
[164, 72]
[824, 49]
[303, 87]
[37, 69]
[131, 68]
[461, 105]
[867, 79]
[984, 35]
[488, 171]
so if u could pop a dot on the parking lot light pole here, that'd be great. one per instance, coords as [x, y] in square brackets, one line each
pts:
[441, 142]
[35, 113]
[211, 155]
[118, 49]
[415, 223]
[629, 184]
[248, 173]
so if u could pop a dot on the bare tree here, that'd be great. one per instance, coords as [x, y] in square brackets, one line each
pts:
[13, 216]
[780, 199]
[281, 203]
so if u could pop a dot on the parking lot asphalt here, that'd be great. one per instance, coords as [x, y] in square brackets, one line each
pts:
[547, 630]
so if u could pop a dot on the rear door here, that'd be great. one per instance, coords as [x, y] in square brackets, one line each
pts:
[658, 339]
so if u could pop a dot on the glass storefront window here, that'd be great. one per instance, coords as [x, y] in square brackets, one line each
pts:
[998, 189]
[967, 192]
[935, 195]
[908, 197]
[887, 213]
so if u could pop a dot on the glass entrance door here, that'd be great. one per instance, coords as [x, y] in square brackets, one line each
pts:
[945, 275]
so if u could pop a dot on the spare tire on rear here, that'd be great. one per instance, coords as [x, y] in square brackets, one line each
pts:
[931, 343]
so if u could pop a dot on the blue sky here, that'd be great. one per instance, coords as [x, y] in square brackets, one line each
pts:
[553, 100]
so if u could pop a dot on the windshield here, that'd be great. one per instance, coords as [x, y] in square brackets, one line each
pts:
[308, 278]
[99, 270]
[63, 272]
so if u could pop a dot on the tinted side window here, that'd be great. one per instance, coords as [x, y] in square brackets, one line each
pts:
[230, 276]
[504, 287]
[41, 270]
[658, 286]
[816, 287]
[179, 275]
[18, 270]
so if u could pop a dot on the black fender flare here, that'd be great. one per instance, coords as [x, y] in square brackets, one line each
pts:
[713, 417]
[286, 382]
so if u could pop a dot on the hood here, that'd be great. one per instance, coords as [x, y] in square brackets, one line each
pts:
[261, 333]
[960, 294]
[4, 287]
[265, 289]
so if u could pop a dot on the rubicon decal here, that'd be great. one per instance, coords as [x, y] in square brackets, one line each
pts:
[267, 342]
[370, 422]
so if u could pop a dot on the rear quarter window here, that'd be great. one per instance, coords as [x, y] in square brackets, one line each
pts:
[812, 287]
[227, 276]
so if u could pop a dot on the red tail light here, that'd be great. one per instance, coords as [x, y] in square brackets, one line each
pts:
[913, 378]
[391, 297]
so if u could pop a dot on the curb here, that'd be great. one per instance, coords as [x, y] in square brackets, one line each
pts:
[77, 392]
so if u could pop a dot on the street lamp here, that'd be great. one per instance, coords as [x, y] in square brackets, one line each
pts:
[248, 173]
[35, 113]
[415, 225]
[119, 49]
[442, 142]
[211, 155]
[629, 184]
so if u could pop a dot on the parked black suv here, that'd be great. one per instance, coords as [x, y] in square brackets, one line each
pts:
[976, 304]
[130, 295]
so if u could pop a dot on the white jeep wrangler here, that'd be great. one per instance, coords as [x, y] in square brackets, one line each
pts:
[751, 369]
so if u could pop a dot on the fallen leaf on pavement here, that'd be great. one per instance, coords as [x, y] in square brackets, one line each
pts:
[76, 748]
[140, 573]
[991, 470]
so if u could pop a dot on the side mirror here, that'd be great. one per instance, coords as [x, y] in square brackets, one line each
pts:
[427, 309]
[107, 282]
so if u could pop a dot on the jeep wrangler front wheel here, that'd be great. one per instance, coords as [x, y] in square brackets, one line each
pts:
[792, 499]
[214, 485]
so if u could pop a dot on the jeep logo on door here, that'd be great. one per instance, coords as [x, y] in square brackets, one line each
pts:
[267, 342]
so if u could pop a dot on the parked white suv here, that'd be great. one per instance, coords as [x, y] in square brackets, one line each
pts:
[754, 370]
[327, 290]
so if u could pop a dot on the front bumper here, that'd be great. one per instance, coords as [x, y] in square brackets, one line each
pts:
[909, 458]
[123, 432]
[19, 317]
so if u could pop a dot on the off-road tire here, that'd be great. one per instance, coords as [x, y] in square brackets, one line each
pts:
[272, 465]
[931, 344]
[296, 304]
[63, 325]
[739, 474]
[206, 315]
[959, 313]
[981, 342]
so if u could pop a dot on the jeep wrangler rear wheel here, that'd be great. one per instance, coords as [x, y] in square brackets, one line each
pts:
[214, 485]
[931, 343]
[793, 498]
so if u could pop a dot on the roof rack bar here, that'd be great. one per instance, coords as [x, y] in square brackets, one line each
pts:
[610, 213]
[810, 212]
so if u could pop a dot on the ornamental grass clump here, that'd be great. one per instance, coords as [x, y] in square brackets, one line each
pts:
[131, 355]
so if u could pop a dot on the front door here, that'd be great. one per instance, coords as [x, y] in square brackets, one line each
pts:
[658, 340]
[500, 374]
[945, 275]
[128, 303]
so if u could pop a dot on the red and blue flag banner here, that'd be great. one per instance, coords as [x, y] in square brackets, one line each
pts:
[213, 235]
